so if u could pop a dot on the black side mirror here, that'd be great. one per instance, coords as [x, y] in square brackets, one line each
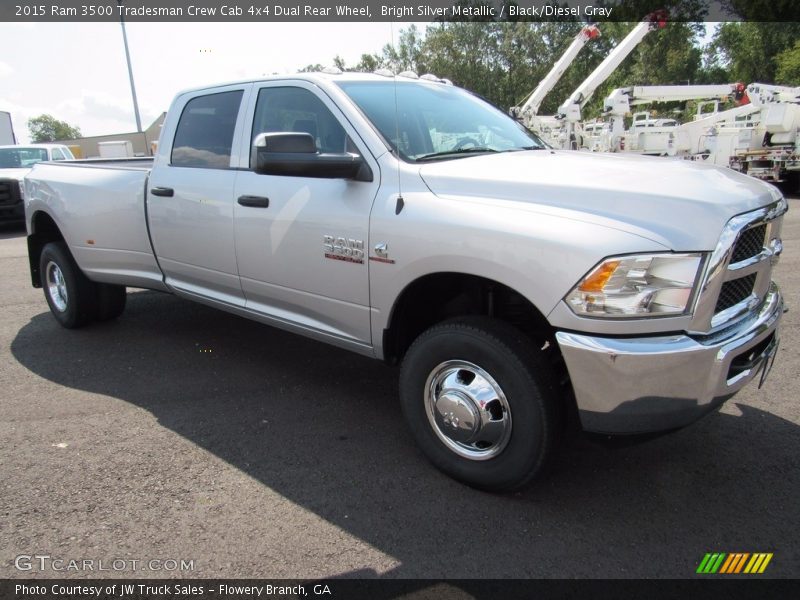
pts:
[295, 154]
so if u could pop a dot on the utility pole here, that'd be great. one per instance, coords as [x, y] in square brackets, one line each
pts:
[130, 69]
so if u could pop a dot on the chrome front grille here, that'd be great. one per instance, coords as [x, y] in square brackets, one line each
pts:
[750, 243]
[739, 271]
[735, 291]
[9, 192]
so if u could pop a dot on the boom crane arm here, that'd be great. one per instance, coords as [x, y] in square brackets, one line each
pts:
[571, 108]
[534, 101]
[763, 94]
[620, 100]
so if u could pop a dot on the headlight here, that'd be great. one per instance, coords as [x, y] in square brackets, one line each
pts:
[21, 189]
[637, 286]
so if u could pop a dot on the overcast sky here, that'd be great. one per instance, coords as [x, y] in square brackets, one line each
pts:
[77, 73]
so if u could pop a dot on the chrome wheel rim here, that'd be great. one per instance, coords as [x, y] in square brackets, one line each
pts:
[56, 286]
[467, 410]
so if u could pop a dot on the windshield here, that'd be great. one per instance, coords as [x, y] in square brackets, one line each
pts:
[14, 158]
[437, 122]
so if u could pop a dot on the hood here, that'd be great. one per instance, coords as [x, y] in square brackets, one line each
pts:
[14, 173]
[680, 204]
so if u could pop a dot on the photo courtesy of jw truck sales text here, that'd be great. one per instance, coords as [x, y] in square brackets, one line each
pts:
[450, 284]
[140, 590]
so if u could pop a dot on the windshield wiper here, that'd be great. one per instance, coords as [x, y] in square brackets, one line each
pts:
[457, 152]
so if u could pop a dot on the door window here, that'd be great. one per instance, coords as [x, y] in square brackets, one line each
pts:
[204, 136]
[299, 110]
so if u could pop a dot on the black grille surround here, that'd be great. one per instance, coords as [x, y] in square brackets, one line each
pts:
[750, 243]
[9, 192]
[735, 291]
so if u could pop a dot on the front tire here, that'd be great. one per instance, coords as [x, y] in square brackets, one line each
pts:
[69, 294]
[480, 400]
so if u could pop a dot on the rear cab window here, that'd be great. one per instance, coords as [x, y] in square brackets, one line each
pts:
[204, 136]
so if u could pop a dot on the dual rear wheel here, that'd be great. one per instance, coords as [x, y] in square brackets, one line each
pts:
[73, 299]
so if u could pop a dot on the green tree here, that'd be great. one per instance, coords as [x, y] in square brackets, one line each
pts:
[788, 61]
[749, 50]
[46, 128]
[504, 61]
[312, 68]
[765, 11]
[369, 63]
[405, 54]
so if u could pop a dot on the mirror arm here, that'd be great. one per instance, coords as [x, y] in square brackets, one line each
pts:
[364, 172]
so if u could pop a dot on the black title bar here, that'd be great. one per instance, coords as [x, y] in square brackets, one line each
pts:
[398, 10]
[709, 588]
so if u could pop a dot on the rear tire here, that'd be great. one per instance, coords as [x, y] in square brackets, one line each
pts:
[110, 301]
[480, 400]
[69, 294]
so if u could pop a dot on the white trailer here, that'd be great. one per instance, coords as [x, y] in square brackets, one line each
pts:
[115, 149]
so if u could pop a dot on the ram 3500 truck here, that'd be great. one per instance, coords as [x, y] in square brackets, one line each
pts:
[408, 220]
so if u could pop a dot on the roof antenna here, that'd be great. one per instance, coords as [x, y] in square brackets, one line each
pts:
[400, 202]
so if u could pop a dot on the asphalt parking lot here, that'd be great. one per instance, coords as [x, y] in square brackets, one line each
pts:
[183, 433]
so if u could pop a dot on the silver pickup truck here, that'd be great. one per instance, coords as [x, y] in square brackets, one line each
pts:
[408, 220]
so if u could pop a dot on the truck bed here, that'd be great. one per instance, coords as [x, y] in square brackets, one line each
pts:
[99, 206]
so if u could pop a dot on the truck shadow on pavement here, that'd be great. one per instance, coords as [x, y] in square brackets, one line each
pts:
[323, 428]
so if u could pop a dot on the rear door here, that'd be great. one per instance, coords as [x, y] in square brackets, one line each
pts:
[190, 198]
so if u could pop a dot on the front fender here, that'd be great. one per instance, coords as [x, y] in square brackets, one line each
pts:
[540, 256]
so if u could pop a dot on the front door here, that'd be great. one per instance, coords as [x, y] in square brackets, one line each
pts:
[302, 243]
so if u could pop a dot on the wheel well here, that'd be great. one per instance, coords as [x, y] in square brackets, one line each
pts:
[43, 231]
[441, 296]
[437, 297]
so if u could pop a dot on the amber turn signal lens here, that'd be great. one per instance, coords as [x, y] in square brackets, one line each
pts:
[599, 277]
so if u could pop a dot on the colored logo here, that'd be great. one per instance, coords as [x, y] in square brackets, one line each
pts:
[735, 563]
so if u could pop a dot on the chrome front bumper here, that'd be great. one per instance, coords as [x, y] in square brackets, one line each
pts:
[649, 384]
